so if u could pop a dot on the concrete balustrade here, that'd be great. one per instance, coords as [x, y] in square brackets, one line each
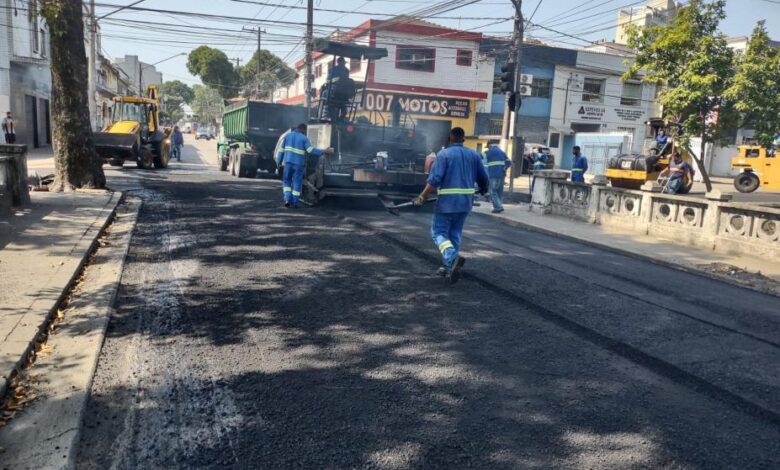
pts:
[713, 222]
[13, 177]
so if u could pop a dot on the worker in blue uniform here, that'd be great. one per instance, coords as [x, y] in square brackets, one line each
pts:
[497, 163]
[292, 154]
[539, 159]
[454, 176]
[579, 165]
[337, 86]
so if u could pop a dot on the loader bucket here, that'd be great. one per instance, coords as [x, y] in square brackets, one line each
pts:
[110, 145]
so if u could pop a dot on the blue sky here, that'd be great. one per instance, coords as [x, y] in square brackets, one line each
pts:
[158, 35]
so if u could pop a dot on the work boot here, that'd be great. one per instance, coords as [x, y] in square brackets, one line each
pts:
[442, 271]
[287, 204]
[455, 273]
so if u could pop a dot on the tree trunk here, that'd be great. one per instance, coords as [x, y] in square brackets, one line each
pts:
[704, 174]
[77, 164]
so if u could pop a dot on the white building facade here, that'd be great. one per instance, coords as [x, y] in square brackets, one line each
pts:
[592, 97]
[25, 76]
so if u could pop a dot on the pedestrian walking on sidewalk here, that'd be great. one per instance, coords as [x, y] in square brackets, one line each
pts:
[454, 176]
[497, 164]
[293, 153]
[9, 128]
[579, 165]
[177, 141]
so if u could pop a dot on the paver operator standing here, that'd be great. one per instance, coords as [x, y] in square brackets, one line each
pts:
[292, 154]
[454, 175]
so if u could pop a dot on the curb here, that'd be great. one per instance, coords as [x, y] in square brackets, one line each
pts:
[109, 311]
[107, 214]
[660, 262]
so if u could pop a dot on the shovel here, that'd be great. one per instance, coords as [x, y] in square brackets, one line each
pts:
[394, 208]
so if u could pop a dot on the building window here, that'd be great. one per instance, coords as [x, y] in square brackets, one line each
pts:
[354, 65]
[318, 71]
[421, 59]
[463, 57]
[632, 94]
[626, 130]
[555, 140]
[43, 42]
[540, 87]
[495, 126]
[593, 90]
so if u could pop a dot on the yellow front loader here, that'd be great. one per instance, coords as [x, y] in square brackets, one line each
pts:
[135, 133]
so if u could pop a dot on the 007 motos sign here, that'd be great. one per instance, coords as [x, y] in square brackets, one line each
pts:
[416, 104]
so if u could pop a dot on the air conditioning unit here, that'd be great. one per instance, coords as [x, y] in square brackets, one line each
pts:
[526, 79]
[524, 90]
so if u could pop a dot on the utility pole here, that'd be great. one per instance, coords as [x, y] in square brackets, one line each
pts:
[238, 61]
[91, 84]
[309, 45]
[518, 142]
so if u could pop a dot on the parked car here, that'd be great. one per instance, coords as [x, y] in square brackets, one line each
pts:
[203, 134]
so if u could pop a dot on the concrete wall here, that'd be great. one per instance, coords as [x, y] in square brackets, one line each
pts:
[30, 81]
[740, 229]
[447, 73]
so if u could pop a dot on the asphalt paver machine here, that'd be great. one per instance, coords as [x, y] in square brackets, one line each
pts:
[374, 155]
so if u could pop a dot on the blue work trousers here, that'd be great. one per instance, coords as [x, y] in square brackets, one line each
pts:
[497, 193]
[446, 232]
[292, 182]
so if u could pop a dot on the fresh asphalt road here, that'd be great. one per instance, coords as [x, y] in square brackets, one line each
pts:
[249, 336]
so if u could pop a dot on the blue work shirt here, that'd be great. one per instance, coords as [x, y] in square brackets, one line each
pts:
[579, 165]
[295, 147]
[178, 138]
[540, 161]
[497, 162]
[678, 170]
[456, 171]
[661, 139]
[337, 74]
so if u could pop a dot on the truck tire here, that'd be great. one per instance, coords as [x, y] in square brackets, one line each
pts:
[246, 165]
[117, 162]
[232, 161]
[146, 160]
[746, 182]
[161, 155]
[223, 163]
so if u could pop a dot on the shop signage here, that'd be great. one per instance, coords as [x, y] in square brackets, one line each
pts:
[416, 104]
[629, 114]
[591, 113]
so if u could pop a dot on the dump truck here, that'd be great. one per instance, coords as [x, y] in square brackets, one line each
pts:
[758, 168]
[632, 170]
[250, 131]
[135, 133]
[373, 155]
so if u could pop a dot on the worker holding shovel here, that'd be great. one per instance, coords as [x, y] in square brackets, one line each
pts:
[454, 175]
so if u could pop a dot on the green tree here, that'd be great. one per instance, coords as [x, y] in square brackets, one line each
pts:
[756, 87]
[214, 69]
[273, 73]
[691, 58]
[174, 93]
[207, 104]
[77, 164]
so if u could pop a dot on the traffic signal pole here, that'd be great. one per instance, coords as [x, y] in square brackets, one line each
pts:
[518, 142]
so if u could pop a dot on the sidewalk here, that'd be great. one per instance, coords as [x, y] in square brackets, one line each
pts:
[693, 259]
[42, 249]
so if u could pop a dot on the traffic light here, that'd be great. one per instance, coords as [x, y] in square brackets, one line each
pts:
[508, 77]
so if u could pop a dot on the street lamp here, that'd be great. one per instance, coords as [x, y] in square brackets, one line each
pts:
[141, 69]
